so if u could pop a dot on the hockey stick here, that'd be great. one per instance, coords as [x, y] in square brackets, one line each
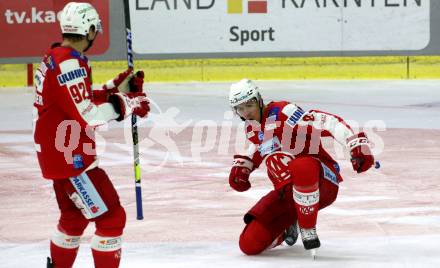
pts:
[377, 165]
[134, 130]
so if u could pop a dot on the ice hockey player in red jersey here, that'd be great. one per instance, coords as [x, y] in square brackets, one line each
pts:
[66, 113]
[304, 175]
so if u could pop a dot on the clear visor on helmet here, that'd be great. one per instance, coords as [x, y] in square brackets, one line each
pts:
[247, 107]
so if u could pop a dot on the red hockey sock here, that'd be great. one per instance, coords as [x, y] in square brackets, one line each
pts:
[62, 257]
[106, 259]
[106, 251]
[63, 249]
[306, 173]
[307, 205]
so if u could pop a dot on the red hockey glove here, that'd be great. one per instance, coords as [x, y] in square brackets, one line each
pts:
[361, 157]
[137, 81]
[130, 103]
[112, 86]
[120, 82]
[239, 176]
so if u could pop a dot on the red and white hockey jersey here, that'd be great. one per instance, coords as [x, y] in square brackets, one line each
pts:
[65, 114]
[286, 127]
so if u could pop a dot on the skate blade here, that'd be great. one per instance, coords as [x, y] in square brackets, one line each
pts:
[313, 253]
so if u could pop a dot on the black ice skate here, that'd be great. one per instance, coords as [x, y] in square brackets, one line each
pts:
[310, 238]
[49, 263]
[291, 234]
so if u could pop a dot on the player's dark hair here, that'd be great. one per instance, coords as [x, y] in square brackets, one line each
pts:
[77, 37]
[73, 37]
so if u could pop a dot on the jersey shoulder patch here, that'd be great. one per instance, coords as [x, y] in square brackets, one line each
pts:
[71, 72]
[294, 113]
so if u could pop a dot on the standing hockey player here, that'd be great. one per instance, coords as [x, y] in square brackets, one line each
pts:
[66, 112]
[304, 175]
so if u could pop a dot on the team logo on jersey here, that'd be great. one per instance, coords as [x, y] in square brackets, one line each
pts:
[269, 146]
[71, 75]
[295, 117]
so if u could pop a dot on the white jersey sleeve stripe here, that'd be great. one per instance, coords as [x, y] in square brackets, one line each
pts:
[331, 123]
[73, 74]
[319, 120]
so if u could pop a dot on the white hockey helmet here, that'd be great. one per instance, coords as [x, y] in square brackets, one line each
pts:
[77, 18]
[243, 91]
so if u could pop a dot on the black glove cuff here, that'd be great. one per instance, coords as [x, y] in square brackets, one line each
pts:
[116, 102]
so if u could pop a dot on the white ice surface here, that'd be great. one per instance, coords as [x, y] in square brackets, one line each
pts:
[386, 251]
[400, 104]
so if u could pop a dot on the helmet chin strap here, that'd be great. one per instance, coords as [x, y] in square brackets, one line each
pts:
[261, 105]
[89, 45]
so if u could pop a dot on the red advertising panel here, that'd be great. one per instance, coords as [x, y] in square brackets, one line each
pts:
[29, 27]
